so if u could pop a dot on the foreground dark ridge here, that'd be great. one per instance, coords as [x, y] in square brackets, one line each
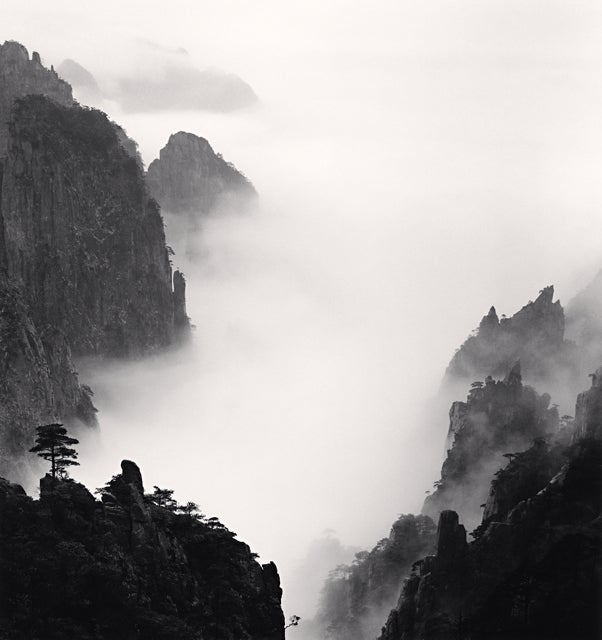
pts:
[131, 566]
[534, 569]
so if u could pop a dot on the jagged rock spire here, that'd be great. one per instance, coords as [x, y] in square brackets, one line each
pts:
[132, 475]
[534, 334]
[451, 536]
[588, 411]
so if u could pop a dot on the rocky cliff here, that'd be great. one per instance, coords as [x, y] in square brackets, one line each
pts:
[534, 335]
[190, 178]
[84, 268]
[38, 381]
[498, 417]
[504, 445]
[534, 569]
[588, 412]
[21, 76]
[128, 567]
[356, 598]
[79, 233]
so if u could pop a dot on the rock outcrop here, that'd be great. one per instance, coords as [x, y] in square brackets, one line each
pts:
[21, 76]
[84, 269]
[38, 382]
[505, 445]
[588, 412]
[190, 178]
[356, 598]
[534, 569]
[80, 235]
[126, 568]
[534, 335]
[498, 417]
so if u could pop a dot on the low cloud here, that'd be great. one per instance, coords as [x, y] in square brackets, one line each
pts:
[183, 87]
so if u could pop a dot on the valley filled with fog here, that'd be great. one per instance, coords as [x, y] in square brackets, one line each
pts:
[407, 181]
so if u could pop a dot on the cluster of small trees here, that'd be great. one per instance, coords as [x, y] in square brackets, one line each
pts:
[54, 445]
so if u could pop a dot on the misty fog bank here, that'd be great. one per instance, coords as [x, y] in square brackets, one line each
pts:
[415, 165]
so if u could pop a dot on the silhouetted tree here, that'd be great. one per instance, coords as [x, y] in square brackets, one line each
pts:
[189, 509]
[163, 498]
[53, 444]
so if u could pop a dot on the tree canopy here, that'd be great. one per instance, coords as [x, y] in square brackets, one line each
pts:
[53, 444]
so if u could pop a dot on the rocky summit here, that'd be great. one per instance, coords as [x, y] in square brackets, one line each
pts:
[21, 75]
[189, 177]
[498, 417]
[534, 335]
[129, 566]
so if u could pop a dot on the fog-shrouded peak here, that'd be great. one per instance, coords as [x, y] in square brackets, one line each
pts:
[498, 416]
[21, 76]
[189, 177]
[174, 83]
[534, 335]
[77, 75]
[83, 82]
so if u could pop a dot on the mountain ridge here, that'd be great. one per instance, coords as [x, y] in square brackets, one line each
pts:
[127, 566]
[84, 269]
[190, 178]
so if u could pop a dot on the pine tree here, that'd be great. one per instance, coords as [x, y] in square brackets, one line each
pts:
[53, 444]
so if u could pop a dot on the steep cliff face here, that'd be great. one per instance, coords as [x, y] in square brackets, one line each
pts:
[38, 382]
[21, 76]
[588, 412]
[126, 568]
[534, 569]
[356, 598]
[79, 233]
[190, 178]
[498, 417]
[498, 451]
[84, 268]
[534, 335]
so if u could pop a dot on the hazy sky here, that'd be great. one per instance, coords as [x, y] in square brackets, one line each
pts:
[417, 162]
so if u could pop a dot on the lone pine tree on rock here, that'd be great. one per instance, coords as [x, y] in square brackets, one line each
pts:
[53, 444]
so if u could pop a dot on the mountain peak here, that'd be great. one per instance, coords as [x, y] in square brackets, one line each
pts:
[185, 137]
[189, 177]
[21, 76]
[533, 334]
[546, 295]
